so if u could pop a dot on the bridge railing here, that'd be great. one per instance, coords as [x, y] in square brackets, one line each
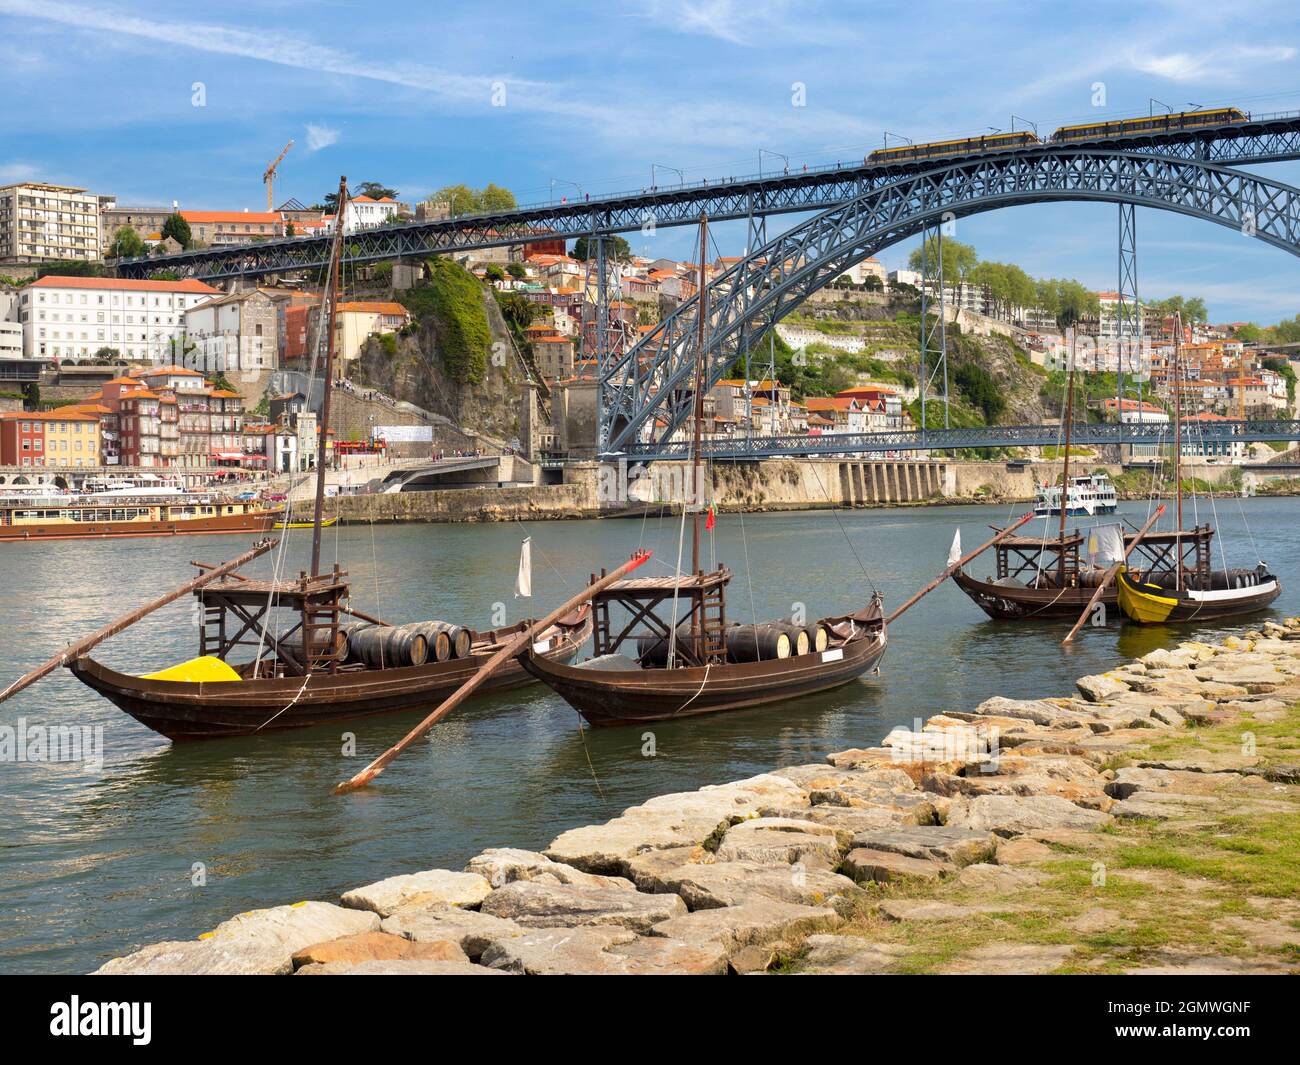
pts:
[1225, 432]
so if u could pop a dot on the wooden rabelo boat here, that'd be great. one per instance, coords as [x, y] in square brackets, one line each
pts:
[274, 654]
[1186, 588]
[613, 688]
[1051, 577]
[689, 660]
[303, 675]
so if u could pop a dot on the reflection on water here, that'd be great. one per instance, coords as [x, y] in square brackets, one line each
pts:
[95, 863]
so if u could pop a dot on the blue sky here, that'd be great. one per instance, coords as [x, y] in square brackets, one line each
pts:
[101, 95]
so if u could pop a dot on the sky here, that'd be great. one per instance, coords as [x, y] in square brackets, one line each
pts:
[161, 102]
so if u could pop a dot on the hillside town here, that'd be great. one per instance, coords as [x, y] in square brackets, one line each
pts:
[105, 372]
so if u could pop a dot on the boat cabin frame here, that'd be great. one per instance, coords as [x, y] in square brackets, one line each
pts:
[648, 601]
[235, 612]
[1025, 558]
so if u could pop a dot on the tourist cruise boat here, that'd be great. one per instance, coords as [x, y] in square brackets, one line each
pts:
[1089, 495]
[62, 517]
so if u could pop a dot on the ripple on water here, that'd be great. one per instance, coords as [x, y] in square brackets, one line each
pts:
[92, 864]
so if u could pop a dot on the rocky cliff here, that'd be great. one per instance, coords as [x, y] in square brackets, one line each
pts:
[428, 366]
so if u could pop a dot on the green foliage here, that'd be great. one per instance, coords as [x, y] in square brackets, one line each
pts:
[388, 344]
[980, 389]
[465, 200]
[32, 395]
[126, 244]
[1283, 366]
[517, 310]
[165, 275]
[220, 381]
[616, 248]
[516, 270]
[107, 354]
[493, 272]
[71, 268]
[178, 229]
[451, 302]
[1192, 310]
[958, 259]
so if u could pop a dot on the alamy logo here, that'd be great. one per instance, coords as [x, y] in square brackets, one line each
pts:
[103, 1018]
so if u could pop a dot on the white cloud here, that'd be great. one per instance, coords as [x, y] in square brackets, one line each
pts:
[14, 172]
[319, 136]
[1215, 65]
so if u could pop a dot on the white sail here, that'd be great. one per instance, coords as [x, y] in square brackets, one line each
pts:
[954, 552]
[524, 582]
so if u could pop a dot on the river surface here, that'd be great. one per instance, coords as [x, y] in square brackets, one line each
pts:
[97, 861]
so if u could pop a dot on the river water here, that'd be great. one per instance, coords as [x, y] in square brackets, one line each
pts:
[96, 861]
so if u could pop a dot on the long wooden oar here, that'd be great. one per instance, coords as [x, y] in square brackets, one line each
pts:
[80, 647]
[1110, 576]
[509, 651]
[955, 567]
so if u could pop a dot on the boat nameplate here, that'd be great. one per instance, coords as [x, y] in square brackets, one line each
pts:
[835, 654]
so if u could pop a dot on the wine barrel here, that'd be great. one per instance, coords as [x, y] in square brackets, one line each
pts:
[652, 650]
[459, 638]
[753, 643]
[818, 638]
[439, 643]
[798, 637]
[387, 647]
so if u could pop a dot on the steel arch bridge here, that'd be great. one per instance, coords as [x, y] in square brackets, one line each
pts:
[653, 380]
[1259, 139]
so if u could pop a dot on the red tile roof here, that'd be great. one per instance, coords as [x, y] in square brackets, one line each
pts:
[188, 285]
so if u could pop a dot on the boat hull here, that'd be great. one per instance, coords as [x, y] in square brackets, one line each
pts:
[182, 711]
[1150, 604]
[1011, 603]
[256, 522]
[632, 696]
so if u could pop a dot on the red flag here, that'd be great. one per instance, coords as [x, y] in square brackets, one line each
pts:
[708, 522]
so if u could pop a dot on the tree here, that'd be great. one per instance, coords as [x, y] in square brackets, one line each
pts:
[374, 190]
[516, 270]
[461, 199]
[494, 273]
[107, 354]
[126, 244]
[958, 259]
[872, 283]
[1192, 310]
[289, 230]
[178, 229]
[615, 248]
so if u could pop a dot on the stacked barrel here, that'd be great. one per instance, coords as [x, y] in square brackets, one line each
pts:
[395, 646]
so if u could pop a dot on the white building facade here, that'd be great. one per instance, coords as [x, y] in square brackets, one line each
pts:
[73, 317]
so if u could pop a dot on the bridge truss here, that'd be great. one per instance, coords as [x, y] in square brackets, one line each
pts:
[1264, 139]
[652, 381]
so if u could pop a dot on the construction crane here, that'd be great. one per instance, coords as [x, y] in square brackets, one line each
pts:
[268, 179]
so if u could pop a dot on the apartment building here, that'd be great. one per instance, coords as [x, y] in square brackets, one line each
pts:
[40, 222]
[235, 332]
[146, 221]
[233, 227]
[73, 317]
[65, 437]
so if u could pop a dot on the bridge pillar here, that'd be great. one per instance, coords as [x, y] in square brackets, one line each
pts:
[858, 493]
[877, 482]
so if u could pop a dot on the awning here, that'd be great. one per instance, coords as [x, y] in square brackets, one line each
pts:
[228, 456]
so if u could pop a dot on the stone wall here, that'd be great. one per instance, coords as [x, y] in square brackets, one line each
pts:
[534, 502]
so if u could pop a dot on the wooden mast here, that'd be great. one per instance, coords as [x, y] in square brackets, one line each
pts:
[1065, 469]
[1178, 453]
[327, 323]
[697, 594]
[519, 644]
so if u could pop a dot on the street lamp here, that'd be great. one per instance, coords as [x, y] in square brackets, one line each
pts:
[562, 181]
[768, 151]
[681, 177]
[897, 136]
